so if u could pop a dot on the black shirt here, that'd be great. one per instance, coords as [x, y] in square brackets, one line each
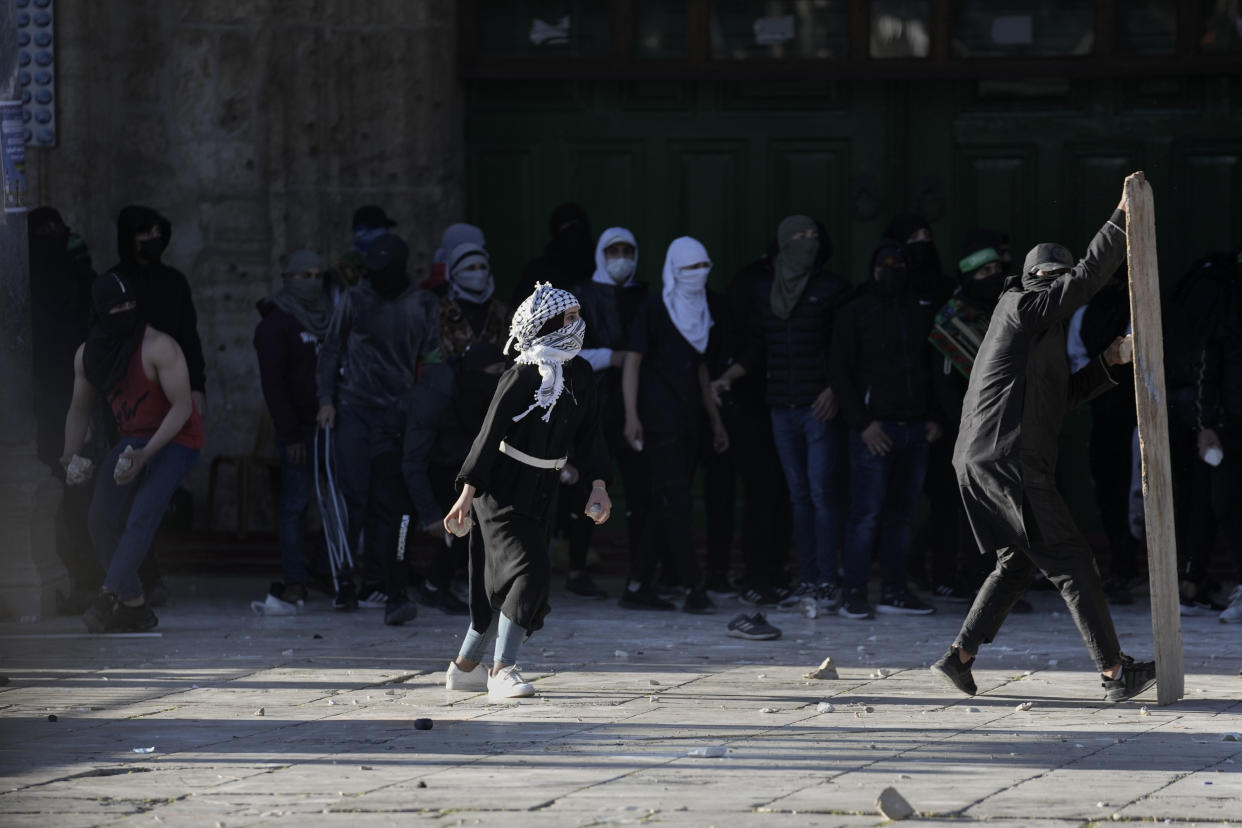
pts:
[669, 398]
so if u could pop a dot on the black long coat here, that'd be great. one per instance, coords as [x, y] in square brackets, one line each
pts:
[1020, 389]
[514, 502]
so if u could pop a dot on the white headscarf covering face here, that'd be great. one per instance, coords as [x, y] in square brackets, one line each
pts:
[471, 285]
[549, 352]
[606, 239]
[685, 291]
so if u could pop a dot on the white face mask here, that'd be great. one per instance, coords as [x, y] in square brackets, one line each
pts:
[473, 281]
[693, 278]
[620, 269]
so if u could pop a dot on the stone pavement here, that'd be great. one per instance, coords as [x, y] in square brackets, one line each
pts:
[623, 698]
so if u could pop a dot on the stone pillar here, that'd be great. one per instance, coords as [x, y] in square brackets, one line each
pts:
[31, 572]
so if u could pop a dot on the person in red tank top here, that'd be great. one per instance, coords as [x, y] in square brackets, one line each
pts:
[142, 373]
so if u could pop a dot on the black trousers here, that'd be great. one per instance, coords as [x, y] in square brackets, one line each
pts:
[719, 496]
[1063, 555]
[671, 458]
[766, 530]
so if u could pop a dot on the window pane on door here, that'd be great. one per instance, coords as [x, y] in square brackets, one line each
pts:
[536, 28]
[1005, 28]
[660, 29]
[797, 29]
[1147, 28]
[1222, 27]
[900, 28]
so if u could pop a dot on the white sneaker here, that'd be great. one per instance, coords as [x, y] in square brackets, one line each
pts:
[1232, 614]
[474, 681]
[509, 684]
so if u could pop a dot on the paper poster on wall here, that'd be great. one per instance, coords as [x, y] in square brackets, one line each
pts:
[13, 155]
[770, 31]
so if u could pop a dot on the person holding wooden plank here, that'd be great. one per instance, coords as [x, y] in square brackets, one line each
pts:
[1006, 453]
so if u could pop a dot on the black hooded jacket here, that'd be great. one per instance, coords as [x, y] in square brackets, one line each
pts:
[164, 297]
[1201, 326]
[1020, 389]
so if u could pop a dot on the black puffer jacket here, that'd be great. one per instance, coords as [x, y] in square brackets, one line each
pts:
[793, 353]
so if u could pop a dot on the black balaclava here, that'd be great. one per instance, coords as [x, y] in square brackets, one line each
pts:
[571, 247]
[48, 235]
[890, 281]
[385, 262]
[113, 337]
[985, 291]
[135, 219]
[1044, 256]
[925, 274]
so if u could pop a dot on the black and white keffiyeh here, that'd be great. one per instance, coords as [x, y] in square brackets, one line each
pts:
[549, 352]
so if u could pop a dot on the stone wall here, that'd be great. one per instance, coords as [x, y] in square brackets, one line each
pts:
[256, 126]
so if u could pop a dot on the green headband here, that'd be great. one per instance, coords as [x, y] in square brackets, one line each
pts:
[978, 259]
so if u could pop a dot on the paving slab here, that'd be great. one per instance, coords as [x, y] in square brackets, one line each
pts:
[624, 702]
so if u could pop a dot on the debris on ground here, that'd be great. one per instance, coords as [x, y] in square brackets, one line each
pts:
[144, 749]
[767, 710]
[1024, 706]
[51, 717]
[621, 654]
[422, 724]
[1231, 737]
[259, 712]
[709, 752]
[827, 670]
[825, 707]
[893, 805]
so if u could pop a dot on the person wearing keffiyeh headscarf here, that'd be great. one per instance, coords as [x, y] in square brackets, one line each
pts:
[543, 411]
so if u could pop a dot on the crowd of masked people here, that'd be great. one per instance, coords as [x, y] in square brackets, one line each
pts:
[818, 409]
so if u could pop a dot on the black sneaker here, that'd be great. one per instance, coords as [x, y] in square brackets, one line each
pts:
[903, 603]
[346, 598]
[644, 598]
[829, 596]
[753, 626]
[399, 611]
[99, 615]
[719, 586]
[698, 603]
[129, 619]
[584, 586]
[950, 666]
[372, 597]
[856, 605]
[443, 600]
[759, 597]
[953, 594]
[794, 598]
[1136, 676]
[669, 591]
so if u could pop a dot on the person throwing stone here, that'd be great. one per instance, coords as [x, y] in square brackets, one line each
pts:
[543, 410]
[1005, 457]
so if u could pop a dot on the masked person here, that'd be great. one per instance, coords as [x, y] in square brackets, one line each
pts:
[469, 312]
[60, 305]
[368, 224]
[1020, 389]
[380, 331]
[959, 328]
[566, 260]
[437, 280]
[544, 408]
[142, 374]
[294, 322]
[925, 275]
[665, 390]
[883, 370]
[609, 301]
[789, 333]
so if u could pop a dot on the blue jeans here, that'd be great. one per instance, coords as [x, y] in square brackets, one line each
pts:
[884, 491]
[123, 519]
[808, 450]
[296, 484]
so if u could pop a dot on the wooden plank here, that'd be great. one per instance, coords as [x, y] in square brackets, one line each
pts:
[1153, 424]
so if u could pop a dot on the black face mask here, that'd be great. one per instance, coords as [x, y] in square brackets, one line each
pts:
[152, 249]
[390, 282]
[120, 324]
[890, 280]
[921, 255]
[985, 291]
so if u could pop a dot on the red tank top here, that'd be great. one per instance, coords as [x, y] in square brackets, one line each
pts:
[139, 406]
